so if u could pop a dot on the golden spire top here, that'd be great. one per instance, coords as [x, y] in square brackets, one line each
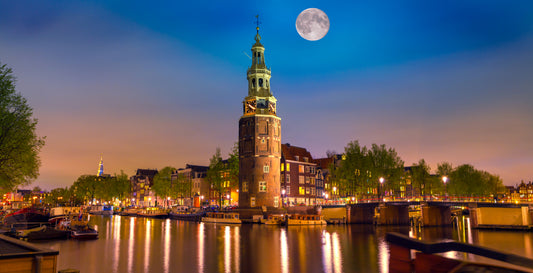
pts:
[257, 22]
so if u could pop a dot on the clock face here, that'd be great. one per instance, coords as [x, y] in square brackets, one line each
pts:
[272, 108]
[250, 106]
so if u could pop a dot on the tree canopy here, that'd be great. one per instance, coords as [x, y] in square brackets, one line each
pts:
[19, 144]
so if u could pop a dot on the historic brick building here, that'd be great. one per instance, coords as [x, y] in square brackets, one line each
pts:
[259, 138]
[299, 177]
[193, 184]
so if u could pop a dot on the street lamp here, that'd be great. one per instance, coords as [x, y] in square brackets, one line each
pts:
[333, 194]
[444, 180]
[283, 198]
[381, 180]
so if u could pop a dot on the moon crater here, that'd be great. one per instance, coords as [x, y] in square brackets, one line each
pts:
[312, 24]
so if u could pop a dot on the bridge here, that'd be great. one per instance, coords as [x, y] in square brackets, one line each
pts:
[433, 213]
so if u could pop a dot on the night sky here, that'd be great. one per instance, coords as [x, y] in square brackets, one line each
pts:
[150, 84]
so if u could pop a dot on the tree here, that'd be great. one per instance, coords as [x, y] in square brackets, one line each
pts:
[233, 166]
[387, 164]
[163, 182]
[19, 144]
[215, 175]
[85, 187]
[121, 186]
[421, 179]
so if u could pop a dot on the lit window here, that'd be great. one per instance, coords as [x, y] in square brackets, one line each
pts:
[288, 190]
[288, 167]
[252, 201]
[301, 168]
[307, 190]
[244, 186]
[301, 190]
[266, 169]
[276, 201]
[262, 186]
[302, 179]
[282, 167]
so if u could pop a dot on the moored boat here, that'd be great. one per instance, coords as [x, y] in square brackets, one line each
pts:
[78, 226]
[42, 233]
[305, 219]
[26, 215]
[153, 212]
[222, 218]
[130, 212]
[186, 214]
[275, 219]
[101, 210]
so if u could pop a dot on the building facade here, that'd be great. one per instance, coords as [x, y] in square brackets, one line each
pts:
[194, 188]
[299, 177]
[259, 137]
[140, 188]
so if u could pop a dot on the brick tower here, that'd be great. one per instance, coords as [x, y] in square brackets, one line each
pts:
[259, 138]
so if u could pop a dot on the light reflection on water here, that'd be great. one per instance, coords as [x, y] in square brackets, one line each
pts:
[129, 244]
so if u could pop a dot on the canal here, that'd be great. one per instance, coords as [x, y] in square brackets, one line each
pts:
[133, 244]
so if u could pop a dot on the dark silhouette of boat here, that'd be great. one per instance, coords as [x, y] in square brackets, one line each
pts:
[26, 215]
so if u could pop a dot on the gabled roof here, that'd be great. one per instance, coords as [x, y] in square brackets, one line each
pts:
[290, 152]
[324, 163]
[147, 172]
[197, 168]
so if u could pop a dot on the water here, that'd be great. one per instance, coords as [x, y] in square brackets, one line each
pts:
[131, 244]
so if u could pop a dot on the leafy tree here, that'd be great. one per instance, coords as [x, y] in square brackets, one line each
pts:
[233, 166]
[162, 185]
[466, 180]
[421, 179]
[215, 175]
[121, 186]
[181, 187]
[387, 164]
[85, 187]
[19, 144]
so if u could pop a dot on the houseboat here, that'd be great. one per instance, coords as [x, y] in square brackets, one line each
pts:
[186, 214]
[79, 228]
[101, 210]
[305, 219]
[26, 216]
[222, 218]
[153, 212]
[130, 212]
[275, 219]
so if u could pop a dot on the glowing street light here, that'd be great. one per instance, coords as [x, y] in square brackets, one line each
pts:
[444, 180]
[381, 180]
[283, 197]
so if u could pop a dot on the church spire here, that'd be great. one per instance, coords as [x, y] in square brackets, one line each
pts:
[258, 74]
[101, 167]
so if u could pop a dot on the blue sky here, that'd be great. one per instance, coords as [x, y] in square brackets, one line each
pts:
[155, 84]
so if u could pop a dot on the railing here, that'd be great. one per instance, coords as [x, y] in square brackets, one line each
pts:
[408, 243]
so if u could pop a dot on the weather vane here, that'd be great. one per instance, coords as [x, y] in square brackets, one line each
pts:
[257, 22]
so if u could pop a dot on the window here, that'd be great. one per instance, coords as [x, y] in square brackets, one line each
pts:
[276, 201]
[288, 167]
[306, 159]
[288, 179]
[307, 190]
[312, 180]
[306, 180]
[297, 158]
[244, 186]
[260, 82]
[288, 190]
[266, 169]
[253, 82]
[302, 179]
[252, 201]
[262, 186]
[301, 168]
[313, 191]
[301, 190]
[282, 167]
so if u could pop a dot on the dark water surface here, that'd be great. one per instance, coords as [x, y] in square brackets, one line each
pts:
[131, 244]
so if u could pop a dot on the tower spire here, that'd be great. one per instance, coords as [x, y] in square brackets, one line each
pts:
[101, 167]
[257, 23]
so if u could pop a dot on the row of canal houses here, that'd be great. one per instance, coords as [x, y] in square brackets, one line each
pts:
[304, 180]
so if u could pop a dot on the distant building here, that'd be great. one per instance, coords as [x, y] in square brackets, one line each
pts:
[140, 187]
[194, 186]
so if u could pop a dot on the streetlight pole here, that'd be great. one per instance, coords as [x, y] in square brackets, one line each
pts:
[381, 180]
[444, 180]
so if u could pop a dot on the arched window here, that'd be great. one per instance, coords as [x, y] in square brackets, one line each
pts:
[253, 82]
[260, 82]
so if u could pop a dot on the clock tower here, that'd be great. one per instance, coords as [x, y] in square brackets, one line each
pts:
[259, 137]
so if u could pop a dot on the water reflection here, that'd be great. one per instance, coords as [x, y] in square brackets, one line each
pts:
[129, 244]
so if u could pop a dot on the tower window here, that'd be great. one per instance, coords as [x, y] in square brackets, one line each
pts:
[262, 186]
[260, 82]
[253, 82]
[266, 169]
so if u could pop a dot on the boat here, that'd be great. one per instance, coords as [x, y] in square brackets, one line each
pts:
[41, 233]
[78, 226]
[305, 219]
[222, 218]
[153, 212]
[101, 210]
[186, 214]
[26, 216]
[130, 212]
[275, 219]
[57, 214]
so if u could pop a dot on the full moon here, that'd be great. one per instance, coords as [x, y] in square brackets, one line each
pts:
[312, 24]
